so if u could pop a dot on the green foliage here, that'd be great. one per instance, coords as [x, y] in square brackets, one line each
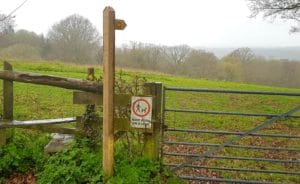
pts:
[80, 164]
[132, 167]
[77, 165]
[23, 152]
[83, 165]
[138, 170]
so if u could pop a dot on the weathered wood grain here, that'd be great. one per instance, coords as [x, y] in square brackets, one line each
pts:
[108, 90]
[80, 97]
[50, 80]
[8, 102]
[21, 124]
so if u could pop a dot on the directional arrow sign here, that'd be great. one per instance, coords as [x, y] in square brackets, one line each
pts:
[120, 24]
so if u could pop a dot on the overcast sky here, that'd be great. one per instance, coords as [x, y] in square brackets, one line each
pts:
[198, 23]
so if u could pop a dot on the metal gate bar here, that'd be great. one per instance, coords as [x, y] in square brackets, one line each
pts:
[231, 158]
[228, 113]
[231, 91]
[231, 133]
[232, 146]
[223, 180]
[237, 169]
[208, 154]
[229, 144]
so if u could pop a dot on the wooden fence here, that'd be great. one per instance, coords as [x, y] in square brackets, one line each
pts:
[90, 93]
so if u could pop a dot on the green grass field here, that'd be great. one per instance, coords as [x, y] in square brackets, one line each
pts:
[40, 102]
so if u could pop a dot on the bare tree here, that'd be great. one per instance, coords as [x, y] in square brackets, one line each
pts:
[7, 24]
[74, 39]
[244, 54]
[177, 54]
[284, 9]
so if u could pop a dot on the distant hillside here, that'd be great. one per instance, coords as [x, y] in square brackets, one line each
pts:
[289, 53]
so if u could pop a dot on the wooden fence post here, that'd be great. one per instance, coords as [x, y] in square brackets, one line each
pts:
[8, 100]
[108, 90]
[90, 108]
[152, 140]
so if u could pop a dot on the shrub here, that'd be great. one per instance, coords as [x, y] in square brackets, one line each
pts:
[23, 152]
[77, 165]
[138, 170]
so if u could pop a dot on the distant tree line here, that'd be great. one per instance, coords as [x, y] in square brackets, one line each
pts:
[241, 65]
[75, 40]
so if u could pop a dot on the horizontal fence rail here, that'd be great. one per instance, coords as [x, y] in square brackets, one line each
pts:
[36, 122]
[50, 80]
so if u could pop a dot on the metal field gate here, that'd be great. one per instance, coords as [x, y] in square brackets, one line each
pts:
[231, 136]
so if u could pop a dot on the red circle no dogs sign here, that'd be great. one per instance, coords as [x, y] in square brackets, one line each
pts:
[141, 107]
[141, 111]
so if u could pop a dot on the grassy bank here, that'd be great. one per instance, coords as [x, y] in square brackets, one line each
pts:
[39, 102]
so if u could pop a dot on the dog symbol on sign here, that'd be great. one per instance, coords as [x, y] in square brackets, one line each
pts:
[141, 107]
[141, 112]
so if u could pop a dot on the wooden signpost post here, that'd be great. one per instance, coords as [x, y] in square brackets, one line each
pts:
[110, 24]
